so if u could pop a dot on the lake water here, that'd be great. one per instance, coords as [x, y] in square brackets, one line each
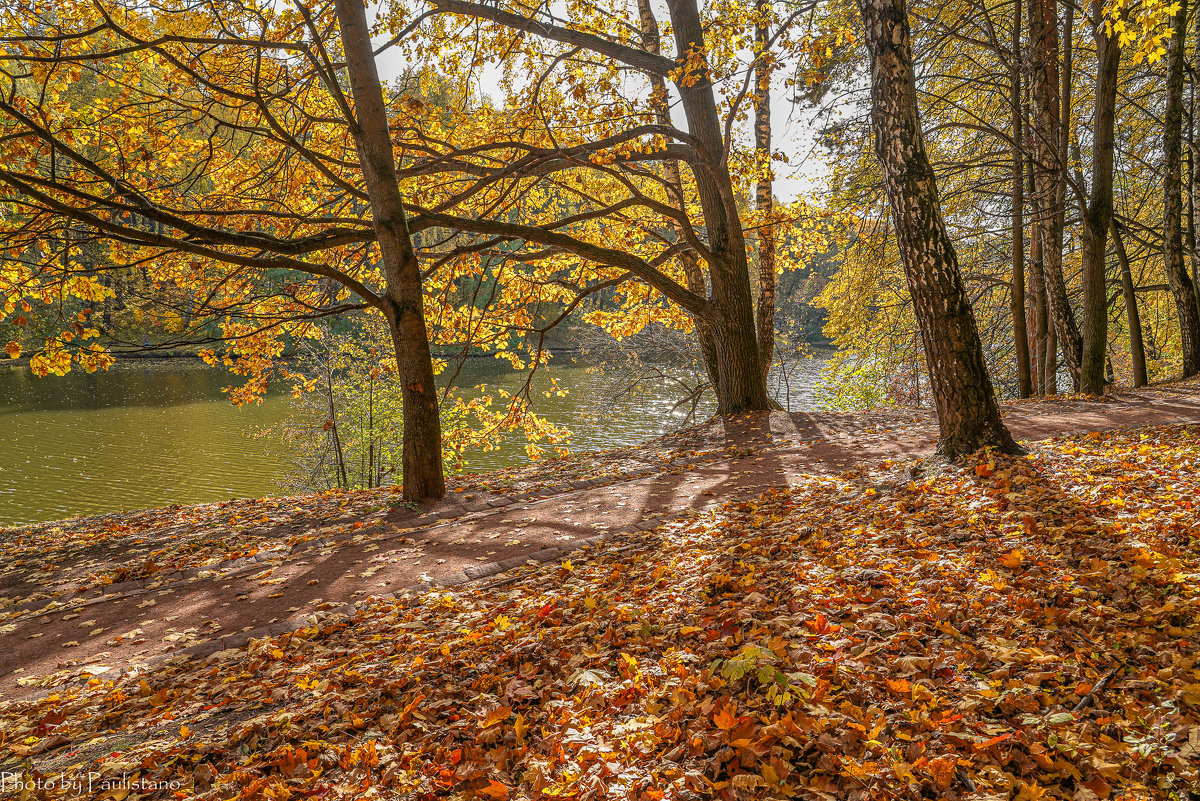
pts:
[149, 433]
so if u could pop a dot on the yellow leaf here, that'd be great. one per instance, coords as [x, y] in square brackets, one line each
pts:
[497, 715]
[1013, 559]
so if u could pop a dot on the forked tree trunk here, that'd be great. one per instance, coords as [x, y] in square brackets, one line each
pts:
[692, 273]
[402, 302]
[1178, 279]
[1098, 213]
[1017, 296]
[764, 197]
[1049, 163]
[968, 414]
[740, 385]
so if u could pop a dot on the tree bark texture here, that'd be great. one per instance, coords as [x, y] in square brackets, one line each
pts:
[402, 300]
[1098, 213]
[1049, 166]
[764, 196]
[740, 385]
[968, 413]
[692, 273]
[1133, 317]
[1194, 161]
[1020, 332]
[1178, 279]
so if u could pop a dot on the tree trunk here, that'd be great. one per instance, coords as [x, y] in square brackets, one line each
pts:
[1098, 213]
[968, 414]
[1020, 332]
[740, 385]
[1050, 375]
[764, 198]
[402, 301]
[1178, 279]
[1193, 160]
[1048, 170]
[1189, 179]
[1041, 323]
[1137, 348]
[692, 274]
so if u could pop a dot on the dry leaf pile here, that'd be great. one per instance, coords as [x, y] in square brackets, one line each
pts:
[1015, 628]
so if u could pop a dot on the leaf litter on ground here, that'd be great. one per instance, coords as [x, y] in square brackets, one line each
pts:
[1008, 628]
[55, 562]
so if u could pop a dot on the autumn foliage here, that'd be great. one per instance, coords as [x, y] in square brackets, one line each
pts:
[1022, 627]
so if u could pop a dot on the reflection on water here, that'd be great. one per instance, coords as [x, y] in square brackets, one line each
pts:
[142, 434]
[155, 433]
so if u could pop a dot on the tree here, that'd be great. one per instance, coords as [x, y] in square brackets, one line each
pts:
[1020, 331]
[968, 413]
[403, 303]
[1173, 263]
[764, 198]
[251, 186]
[1049, 161]
[611, 160]
[1098, 211]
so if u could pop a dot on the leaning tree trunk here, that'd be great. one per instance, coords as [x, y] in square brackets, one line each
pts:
[402, 301]
[1098, 213]
[1133, 317]
[740, 385]
[764, 197]
[1177, 276]
[1017, 295]
[693, 275]
[966, 403]
[1049, 163]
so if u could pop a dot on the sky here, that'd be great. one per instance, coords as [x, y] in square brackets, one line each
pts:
[793, 134]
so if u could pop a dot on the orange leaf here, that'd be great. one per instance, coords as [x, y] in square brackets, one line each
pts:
[899, 686]
[942, 771]
[726, 719]
[1013, 559]
[1098, 786]
[986, 744]
[494, 790]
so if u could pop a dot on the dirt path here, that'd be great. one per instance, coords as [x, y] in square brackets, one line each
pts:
[221, 603]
